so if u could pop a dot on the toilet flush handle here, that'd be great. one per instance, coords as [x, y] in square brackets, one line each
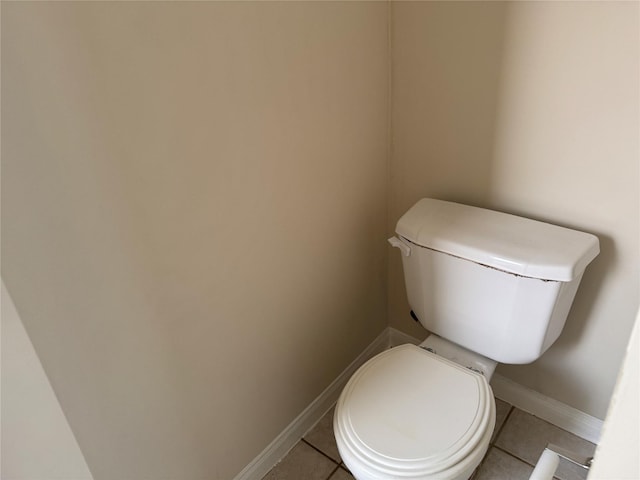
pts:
[404, 248]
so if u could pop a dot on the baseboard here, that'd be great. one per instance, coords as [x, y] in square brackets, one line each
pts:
[555, 412]
[288, 438]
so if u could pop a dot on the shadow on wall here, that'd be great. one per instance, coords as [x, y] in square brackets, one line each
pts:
[446, 64]
[587, 295]
[447, 59]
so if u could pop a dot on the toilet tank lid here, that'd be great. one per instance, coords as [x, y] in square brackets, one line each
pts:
[507, 242]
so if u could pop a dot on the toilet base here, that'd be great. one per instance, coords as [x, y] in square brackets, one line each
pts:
[460, 355]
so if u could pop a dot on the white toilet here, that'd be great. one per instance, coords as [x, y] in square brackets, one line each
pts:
[490, 287]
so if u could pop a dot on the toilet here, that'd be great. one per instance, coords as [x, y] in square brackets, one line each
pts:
[489, 287]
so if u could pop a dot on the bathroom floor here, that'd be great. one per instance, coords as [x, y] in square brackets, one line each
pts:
[517, 443]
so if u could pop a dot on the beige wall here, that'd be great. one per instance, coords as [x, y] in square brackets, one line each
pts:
[195, 195]
[531, 108]
[193, 217]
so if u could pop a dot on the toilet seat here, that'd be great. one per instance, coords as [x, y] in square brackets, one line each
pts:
[408, 413]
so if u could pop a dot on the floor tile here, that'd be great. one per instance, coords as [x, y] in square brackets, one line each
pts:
[321, 436]
[526, 436]
[519, 440]
[502, 410]
[498, 465]
[301, 462]
[341, 474]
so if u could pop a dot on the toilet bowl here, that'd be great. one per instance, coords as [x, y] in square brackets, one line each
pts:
[409, 413]
[490, 287]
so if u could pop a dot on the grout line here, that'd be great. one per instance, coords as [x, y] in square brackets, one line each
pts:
[320, 451]
[513, 455]
[504, 424]
[492, 444]
[333, 471]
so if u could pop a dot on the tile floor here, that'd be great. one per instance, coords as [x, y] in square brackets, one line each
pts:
[518, 441]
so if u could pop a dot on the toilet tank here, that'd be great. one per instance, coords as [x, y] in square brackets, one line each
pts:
[497, 284]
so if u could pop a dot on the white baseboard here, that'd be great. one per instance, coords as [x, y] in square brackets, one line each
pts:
[288, 438]
[555, 412]
[530, 401]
